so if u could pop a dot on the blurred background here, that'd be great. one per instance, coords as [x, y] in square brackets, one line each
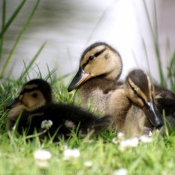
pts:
[68, 27]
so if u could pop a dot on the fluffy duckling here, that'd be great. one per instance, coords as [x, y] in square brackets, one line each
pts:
[133, 105]
[100, 68]
[97, 79]
[35, 110]
[165, 100]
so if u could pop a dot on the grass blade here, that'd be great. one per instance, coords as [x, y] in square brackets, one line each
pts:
[12, 18]
[156, 43]
[171, 72]
[38, 72]
[50, 73]
[154, 33]
[3, 24]
[31, 62]
[149, 20]
[146, 53]
[155, 23]
[19, 38]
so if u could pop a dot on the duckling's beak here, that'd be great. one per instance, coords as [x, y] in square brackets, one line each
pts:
[79, 79]
[13, 103]
[153, 114]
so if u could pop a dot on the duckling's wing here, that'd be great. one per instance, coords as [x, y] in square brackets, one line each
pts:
[95, 126]
[81, 118]
[65, 118]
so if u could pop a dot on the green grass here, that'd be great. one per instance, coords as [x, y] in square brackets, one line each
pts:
[16, 154]
[154, 158]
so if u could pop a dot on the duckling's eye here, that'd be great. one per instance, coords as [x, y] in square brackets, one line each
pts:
[135, 92]
[34, 95]
[91, 57]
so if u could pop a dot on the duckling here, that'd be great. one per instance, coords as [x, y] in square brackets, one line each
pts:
[34, 105]
[97, 81]
[133, 105]
[165, 100]
[98, 77]
[100, 68]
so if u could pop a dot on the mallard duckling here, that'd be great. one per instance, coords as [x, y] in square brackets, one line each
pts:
[35, 105]
[100, 68]
[133, 105]
[165, 100]
[97, 78]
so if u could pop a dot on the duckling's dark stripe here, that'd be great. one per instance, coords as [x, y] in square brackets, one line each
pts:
[137, 93]
[28, 90]
[100, 52]
[95, 55]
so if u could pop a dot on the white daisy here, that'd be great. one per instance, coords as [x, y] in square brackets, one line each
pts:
[42, 154]
[70, 154]
[150, 133]
[120, 136]
[46, 124]
[115, 140]
[42, 157]
[145, 139]
[124, 144]
[87, 163]
[121, 171]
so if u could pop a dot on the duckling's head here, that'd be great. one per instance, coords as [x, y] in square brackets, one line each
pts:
[140, 90]
[34, 94]
[99, 59]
